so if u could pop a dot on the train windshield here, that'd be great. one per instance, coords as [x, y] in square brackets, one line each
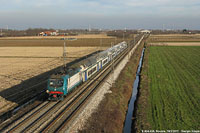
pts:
[56, 82]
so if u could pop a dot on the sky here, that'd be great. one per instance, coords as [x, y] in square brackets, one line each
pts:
[101, 14]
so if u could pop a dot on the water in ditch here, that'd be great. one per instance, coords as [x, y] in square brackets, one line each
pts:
[128, 122]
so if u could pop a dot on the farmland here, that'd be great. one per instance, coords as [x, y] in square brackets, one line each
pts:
[176, 44]
[80, 36]
[20, 63]
[57, 41]
[174, 38]
[170, 89]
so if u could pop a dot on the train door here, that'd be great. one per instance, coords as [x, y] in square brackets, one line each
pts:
[109, 57]
[80, 75]
[65, 85]
[99, 64]
[85, 75]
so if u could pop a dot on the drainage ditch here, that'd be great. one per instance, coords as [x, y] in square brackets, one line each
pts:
[128, 121]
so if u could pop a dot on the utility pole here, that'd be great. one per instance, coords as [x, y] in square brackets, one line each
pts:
[101, 43]
[89, 28]
[64, 55]
[123, 36]
[134, 41]
[129, 47]
[113, 73]
[100, 46]
[115, 37]
[124, 33]
[163, 27]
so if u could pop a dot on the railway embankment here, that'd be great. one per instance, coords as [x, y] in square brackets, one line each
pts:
[111, 112]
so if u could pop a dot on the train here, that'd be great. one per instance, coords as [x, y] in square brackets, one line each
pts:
[62, 83]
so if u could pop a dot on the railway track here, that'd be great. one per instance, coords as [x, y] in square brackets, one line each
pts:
[62, 120]
[47, 113]
[67, 115]
[56, 116]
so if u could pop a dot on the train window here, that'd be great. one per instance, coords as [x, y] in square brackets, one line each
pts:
[105, 61]
[92, 71]
[56, 82]
[113, 55]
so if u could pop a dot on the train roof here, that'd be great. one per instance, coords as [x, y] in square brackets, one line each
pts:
[56, 76]
[94, 58]
[66, 71]
[73, 69]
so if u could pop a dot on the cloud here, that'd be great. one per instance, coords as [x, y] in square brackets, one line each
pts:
[97, 11]
[99, 6]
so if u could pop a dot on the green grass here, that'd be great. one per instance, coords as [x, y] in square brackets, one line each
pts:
[174, 99]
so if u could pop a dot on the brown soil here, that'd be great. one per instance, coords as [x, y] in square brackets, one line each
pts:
[110, 115]
[20, 63]
[59, 37]
[170, 35]
[56, 42]
[176, 44]
[175, 38]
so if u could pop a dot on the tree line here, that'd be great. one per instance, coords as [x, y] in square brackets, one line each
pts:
[116, 33]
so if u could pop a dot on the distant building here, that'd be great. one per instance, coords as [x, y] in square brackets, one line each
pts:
[145, 31]
[49, 33]
[1, 34]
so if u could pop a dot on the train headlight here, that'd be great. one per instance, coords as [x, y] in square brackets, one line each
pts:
[47, 91]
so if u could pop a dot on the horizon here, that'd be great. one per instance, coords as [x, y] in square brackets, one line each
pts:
[96, 29]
